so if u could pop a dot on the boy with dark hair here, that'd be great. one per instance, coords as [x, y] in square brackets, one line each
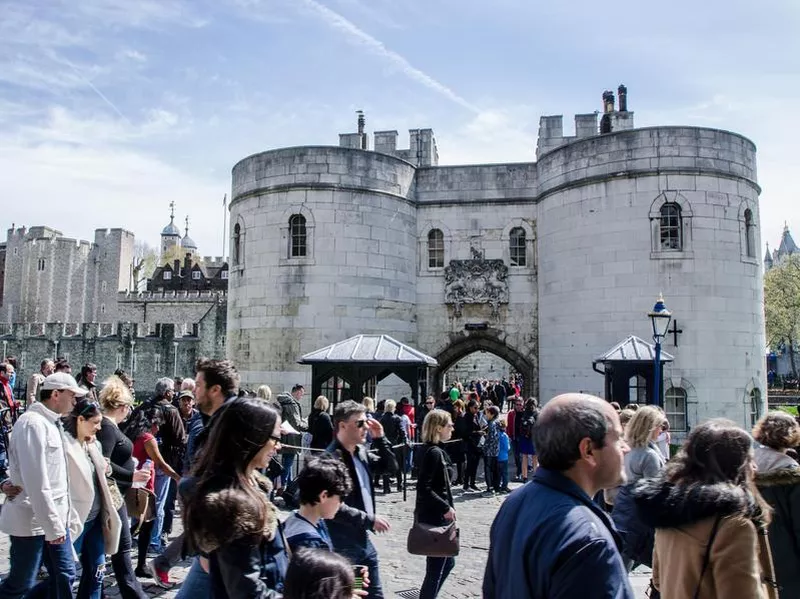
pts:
[322, 483]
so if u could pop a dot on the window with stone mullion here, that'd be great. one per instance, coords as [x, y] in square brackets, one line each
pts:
[517, 247]
[671, 227]
[675, 408]
[297, 230]
[435, 249]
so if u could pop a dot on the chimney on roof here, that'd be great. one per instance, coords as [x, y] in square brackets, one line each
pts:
[622, 94]
[608, 102]
[361, 123]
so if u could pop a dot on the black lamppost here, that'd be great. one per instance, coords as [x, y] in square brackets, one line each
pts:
[660, 318]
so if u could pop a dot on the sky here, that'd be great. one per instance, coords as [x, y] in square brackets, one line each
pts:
[112, 109]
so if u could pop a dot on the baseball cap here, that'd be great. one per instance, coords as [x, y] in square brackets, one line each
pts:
[61, 381]
[186, 393]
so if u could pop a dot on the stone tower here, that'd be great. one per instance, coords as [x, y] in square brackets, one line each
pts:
[171, 234]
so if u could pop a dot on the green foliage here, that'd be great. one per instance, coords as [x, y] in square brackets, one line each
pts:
[782, 305]
[789, 410]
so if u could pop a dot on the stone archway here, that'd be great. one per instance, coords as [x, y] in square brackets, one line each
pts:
[465, 345]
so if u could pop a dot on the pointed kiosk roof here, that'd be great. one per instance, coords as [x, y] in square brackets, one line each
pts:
[633, 349]
[381, 349]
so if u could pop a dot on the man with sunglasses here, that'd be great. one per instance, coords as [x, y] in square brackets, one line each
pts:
[356, 517]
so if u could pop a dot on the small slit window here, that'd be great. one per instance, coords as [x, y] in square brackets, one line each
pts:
[516, 245]
[670, 227]
[237, 244]
[435, 249]
[40, 265]
[749, 234]
[298, 246]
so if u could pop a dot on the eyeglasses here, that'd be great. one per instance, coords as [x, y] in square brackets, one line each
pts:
[361, 423]
[274, 439]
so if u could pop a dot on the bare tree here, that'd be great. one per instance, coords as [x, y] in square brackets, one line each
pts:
[145, 260]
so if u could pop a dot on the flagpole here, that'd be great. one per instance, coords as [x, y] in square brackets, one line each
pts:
[224, 224]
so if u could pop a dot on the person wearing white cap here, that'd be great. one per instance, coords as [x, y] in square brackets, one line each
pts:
[37, 519]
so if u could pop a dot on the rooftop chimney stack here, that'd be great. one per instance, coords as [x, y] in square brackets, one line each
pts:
[361, 123]
[608, 101]
[622, 93]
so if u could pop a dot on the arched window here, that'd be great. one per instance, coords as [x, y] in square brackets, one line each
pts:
[435, 249]
[670, 227]
[516, 246]
[755, 406]
[237, 244]
[297, 236]
[749, 234]
[675, 408]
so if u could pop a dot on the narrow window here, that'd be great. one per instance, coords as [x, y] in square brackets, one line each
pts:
[755, 406]
[749, 234]
[637, 389]
[516, 243]
[435, 249]
[670, 226]
[237, 244]
[103, 287]
[297, 236]
[223, 274]
[157, 362]
[167, 275]
[119, 361]
[102, 308]
[675, 408]
[40, 265]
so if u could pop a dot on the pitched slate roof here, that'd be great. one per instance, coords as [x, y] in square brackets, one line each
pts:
[633, 349]
[368, 348]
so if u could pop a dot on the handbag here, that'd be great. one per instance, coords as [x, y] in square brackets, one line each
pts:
[116, 496]
[707, 556]
[433, 540]
[141, 506]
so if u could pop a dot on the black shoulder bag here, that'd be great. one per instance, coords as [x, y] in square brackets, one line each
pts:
[707, 556]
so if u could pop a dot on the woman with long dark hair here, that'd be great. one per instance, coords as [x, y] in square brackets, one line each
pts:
[227, 512]
[710, 520]
[778, 480]
[116, 402]
[95, 525]
[319, 574]
[142, 430]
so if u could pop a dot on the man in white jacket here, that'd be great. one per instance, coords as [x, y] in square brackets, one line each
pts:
[37, 518]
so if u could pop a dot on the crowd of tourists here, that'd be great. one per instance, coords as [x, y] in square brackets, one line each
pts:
[89, 474]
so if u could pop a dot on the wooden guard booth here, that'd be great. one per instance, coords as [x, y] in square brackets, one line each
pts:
[346, 369]
[627, 367]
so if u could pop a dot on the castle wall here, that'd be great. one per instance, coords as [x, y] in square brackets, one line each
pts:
[358, 276]
[601, 265]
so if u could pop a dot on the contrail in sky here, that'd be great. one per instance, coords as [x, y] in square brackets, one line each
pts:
[361, 37]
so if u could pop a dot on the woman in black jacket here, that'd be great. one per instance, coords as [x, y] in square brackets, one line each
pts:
[320, 424]
[434, 500]
[778, 480]
[227, 513]
[116, 403]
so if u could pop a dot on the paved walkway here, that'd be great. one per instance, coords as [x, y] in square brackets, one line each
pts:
[399, 570]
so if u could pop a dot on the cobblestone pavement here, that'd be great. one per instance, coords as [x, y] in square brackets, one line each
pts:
[399, 570]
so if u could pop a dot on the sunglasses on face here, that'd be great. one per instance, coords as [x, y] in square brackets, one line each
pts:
[361, 423]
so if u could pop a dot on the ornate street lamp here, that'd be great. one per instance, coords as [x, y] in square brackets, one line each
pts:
[660, 318]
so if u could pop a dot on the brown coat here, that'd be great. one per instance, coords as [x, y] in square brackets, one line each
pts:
[740, 561]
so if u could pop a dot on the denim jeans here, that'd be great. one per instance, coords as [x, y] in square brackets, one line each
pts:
[197, 584]
[364, 556]
[162, 490]
[91, 548]
[436, 571]
[25, 555]
[169, 507]
[490, 471]
[502, 472]
[287, 460]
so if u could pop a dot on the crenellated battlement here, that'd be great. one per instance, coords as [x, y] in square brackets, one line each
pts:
[214, 261]
[171, 296]
[421, 150]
